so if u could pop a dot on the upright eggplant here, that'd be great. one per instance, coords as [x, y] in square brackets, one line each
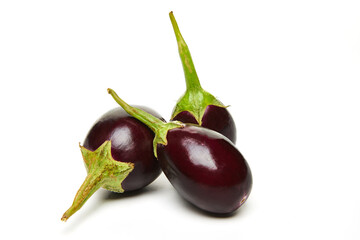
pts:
[203, 165]
[197, 105]
[118, 156]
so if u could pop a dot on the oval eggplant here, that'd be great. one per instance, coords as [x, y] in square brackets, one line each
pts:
[203, 166]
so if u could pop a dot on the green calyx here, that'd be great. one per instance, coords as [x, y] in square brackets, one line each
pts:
[196, 99]
[160, 134]
[195, 102]
[103, 171]
[159, 127]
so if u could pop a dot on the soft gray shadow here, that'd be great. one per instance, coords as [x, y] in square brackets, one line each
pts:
[108, 196]
[82, 215]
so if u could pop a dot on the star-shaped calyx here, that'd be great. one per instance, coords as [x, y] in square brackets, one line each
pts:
[103, 171]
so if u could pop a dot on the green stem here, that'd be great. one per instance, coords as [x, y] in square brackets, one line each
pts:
[91, 184]
[191, 78]
[159, 127]
[103, 171]
[149, 120]
[195, 99]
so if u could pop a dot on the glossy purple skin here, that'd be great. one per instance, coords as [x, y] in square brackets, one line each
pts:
[206, 169]
[131, 141]
[215, 118]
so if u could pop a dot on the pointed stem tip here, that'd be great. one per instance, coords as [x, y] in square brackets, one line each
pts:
[191, 78]
[65, 217]
[103, 171]
[92, 183]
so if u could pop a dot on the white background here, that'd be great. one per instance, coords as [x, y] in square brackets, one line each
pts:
[289, 69]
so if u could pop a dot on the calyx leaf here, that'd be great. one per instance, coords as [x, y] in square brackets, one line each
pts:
[103, 171]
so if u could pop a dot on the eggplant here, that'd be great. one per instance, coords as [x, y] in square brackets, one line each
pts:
[203, 165]
[198, 106]
[118, 156]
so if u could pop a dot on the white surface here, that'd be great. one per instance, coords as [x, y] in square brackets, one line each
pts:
[289, 69]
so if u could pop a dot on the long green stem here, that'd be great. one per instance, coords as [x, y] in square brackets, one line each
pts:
[195, 99]
[149, 120]
[191, 78]
[159, 127]
[103, 171]
[91, 184]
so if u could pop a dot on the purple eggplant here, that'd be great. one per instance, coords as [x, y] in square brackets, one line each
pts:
[198, 106]
[203, 165]
[118, 156]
